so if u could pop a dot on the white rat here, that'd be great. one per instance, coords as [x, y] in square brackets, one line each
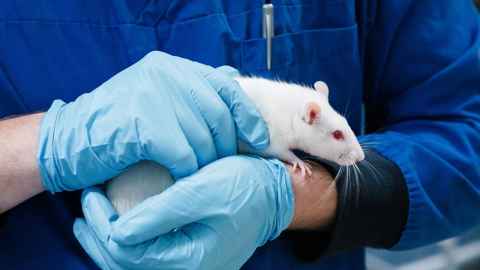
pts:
[297, 118]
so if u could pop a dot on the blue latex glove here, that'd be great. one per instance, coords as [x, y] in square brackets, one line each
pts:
[213, 219]
[178, 113]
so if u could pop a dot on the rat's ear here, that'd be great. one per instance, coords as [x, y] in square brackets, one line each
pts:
[321, 87]
[312, 113]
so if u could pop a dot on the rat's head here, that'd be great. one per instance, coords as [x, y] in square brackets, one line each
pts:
[325, 133]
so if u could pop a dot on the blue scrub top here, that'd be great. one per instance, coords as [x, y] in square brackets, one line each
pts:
[414, 64]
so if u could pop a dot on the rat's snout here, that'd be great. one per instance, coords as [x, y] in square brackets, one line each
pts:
[352, 157]
[359, 155]
[356, 155]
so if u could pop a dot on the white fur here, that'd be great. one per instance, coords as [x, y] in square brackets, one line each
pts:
[283, 107]
[139, 182]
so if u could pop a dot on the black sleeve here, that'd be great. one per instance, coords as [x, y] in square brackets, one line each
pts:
[370, 212]
[3, 220]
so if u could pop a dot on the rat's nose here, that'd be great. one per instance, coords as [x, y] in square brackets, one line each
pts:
[360, 156]
[356, 156]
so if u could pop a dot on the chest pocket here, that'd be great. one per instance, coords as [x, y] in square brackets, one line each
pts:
[314, 40]
[313, 45]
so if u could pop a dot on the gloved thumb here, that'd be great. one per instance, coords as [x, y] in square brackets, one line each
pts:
[229, 71]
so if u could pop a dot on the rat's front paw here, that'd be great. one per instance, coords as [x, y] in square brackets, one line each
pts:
[303, 166]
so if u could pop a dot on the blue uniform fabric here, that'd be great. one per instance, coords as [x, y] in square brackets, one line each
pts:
[413, 64]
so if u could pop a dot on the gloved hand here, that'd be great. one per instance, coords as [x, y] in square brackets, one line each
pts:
[178, 113]
[213, 219]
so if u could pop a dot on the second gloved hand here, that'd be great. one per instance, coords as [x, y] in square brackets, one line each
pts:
[213, 219]
[178, 113]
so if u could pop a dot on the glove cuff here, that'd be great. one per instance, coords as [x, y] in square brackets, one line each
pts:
[285, 198]
[46, 151]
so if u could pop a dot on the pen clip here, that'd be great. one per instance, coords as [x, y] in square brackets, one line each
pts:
[268, 31]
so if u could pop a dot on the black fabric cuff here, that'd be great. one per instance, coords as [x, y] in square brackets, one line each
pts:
[372, 210]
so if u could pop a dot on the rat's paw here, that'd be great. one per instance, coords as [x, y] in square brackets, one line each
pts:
[304, 167]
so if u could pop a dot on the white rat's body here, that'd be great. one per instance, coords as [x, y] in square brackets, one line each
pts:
[297, 117]
[300, 118]
[139, 182]
[279, 104]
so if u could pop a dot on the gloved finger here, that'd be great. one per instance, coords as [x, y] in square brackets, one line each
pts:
[219, 121]
[98, 211]
[200, 68]
[214, 112]
[251, 128]
[179, 157]
[92, 246]
[194, 124]
[185, 248]
[230, 71]
[186, 113]
[108, 255]
[175, 207]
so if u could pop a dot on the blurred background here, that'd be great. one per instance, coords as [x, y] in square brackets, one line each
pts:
[460, 253]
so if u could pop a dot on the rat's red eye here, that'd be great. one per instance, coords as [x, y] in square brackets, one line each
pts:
[338, 135]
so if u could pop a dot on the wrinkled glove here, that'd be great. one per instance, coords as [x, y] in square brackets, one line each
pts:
[213, 219]
[178, 113]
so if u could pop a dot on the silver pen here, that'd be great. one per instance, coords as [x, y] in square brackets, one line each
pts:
[268, 31]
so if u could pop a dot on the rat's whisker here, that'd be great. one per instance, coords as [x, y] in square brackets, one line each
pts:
[343, 171]
[339, 173]
[369, 143]
[359, 170]
[357, 183]
[365, 148]
[347, 183]
[374, 171]
[369, 165]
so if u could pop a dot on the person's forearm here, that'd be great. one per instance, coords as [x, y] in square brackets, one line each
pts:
[315, 199]
[333, 216]
[19, 174]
